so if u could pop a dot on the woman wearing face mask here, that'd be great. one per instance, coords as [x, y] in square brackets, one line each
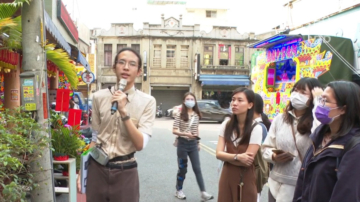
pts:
[186, 127]
[330, 171]
[288, 139]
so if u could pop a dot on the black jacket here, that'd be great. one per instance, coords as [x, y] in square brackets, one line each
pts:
[329, 175]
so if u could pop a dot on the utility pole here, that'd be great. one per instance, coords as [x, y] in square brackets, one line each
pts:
[34, 63]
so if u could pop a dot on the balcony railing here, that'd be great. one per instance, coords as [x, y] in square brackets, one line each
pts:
[170, 62]
[184, 62]
[156, 62]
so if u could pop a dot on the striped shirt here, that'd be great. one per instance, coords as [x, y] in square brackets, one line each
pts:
[183, 126]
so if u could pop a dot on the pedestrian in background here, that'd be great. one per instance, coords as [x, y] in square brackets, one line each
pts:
[239, 140]
[261, 167]
[186, 127]
[288, 139]
[330, 171]
[259, 115]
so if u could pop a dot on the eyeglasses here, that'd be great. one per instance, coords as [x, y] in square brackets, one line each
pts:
[322, 101]
[131, 64]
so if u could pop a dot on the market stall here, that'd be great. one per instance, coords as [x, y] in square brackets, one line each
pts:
[288, 58]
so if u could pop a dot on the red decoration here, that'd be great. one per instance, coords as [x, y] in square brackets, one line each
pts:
[277, 97]
[74, 117]
[62, 100]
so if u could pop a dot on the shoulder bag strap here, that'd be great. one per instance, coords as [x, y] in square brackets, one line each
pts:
[293, 132]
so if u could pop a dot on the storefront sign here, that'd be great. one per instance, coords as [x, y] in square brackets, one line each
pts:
[91, 60]
[30, 106]
[88, 77]
[14, 95]
[282, 53]
[66, 20]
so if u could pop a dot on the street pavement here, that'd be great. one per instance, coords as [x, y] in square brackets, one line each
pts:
[157, 165]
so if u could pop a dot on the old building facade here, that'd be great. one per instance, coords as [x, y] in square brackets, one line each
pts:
[179, 58]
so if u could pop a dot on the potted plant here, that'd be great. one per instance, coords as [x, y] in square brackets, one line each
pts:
[66, 141]
[19, 146]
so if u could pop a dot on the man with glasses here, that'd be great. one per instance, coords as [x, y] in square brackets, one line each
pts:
[120, 135]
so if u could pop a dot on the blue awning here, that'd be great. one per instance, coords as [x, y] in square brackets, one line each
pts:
[82, 60]
[224, 80]
[50, 27]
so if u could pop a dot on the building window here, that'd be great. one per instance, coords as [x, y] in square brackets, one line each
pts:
[157, 56]
[224, 51]
[136, 47]
[239, 56]
[208, 55]
[184, 56]
[211, 14]
[107, 54]
[120, 46]
[170, 56]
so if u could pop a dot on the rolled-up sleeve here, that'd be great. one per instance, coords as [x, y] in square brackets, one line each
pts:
[147, 119]
[95, 123]
[270, 142]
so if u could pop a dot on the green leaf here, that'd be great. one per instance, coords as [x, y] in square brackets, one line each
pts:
[61, 59]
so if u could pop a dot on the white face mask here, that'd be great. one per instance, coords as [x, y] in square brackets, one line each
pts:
[298, 100]
[189, 103]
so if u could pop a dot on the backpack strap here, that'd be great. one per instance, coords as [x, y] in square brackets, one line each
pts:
[264, 133]
[348, 146]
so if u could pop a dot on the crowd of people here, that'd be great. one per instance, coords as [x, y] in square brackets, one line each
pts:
[311, 149]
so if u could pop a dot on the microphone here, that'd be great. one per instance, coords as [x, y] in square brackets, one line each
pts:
[122, 85]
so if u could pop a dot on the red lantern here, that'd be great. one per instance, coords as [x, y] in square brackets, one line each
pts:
[8, 56]
[11, 58]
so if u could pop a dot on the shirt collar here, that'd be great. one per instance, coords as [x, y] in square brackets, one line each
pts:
[130, 93]
[259, 119]
[292, 113]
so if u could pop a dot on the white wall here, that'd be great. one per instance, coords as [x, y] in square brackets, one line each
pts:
[346, 25]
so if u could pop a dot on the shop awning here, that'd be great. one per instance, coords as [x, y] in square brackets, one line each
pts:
[275, 40]
[50, 27]
[82, 60]
[224, 80]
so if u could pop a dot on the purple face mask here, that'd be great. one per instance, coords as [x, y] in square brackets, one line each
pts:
[322, 114]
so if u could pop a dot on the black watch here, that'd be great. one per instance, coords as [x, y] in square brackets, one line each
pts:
[125, 118]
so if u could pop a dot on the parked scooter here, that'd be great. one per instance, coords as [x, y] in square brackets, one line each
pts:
[159, 112]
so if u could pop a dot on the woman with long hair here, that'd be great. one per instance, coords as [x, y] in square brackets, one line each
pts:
[330, 171]
[259, 114]
[288, 139]
[186, 127]
[239, 140]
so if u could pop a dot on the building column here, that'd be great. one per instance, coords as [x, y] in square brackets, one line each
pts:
[12, 89]
[54, 81]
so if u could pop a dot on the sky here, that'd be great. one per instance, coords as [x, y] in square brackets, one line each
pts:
[257, 16]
